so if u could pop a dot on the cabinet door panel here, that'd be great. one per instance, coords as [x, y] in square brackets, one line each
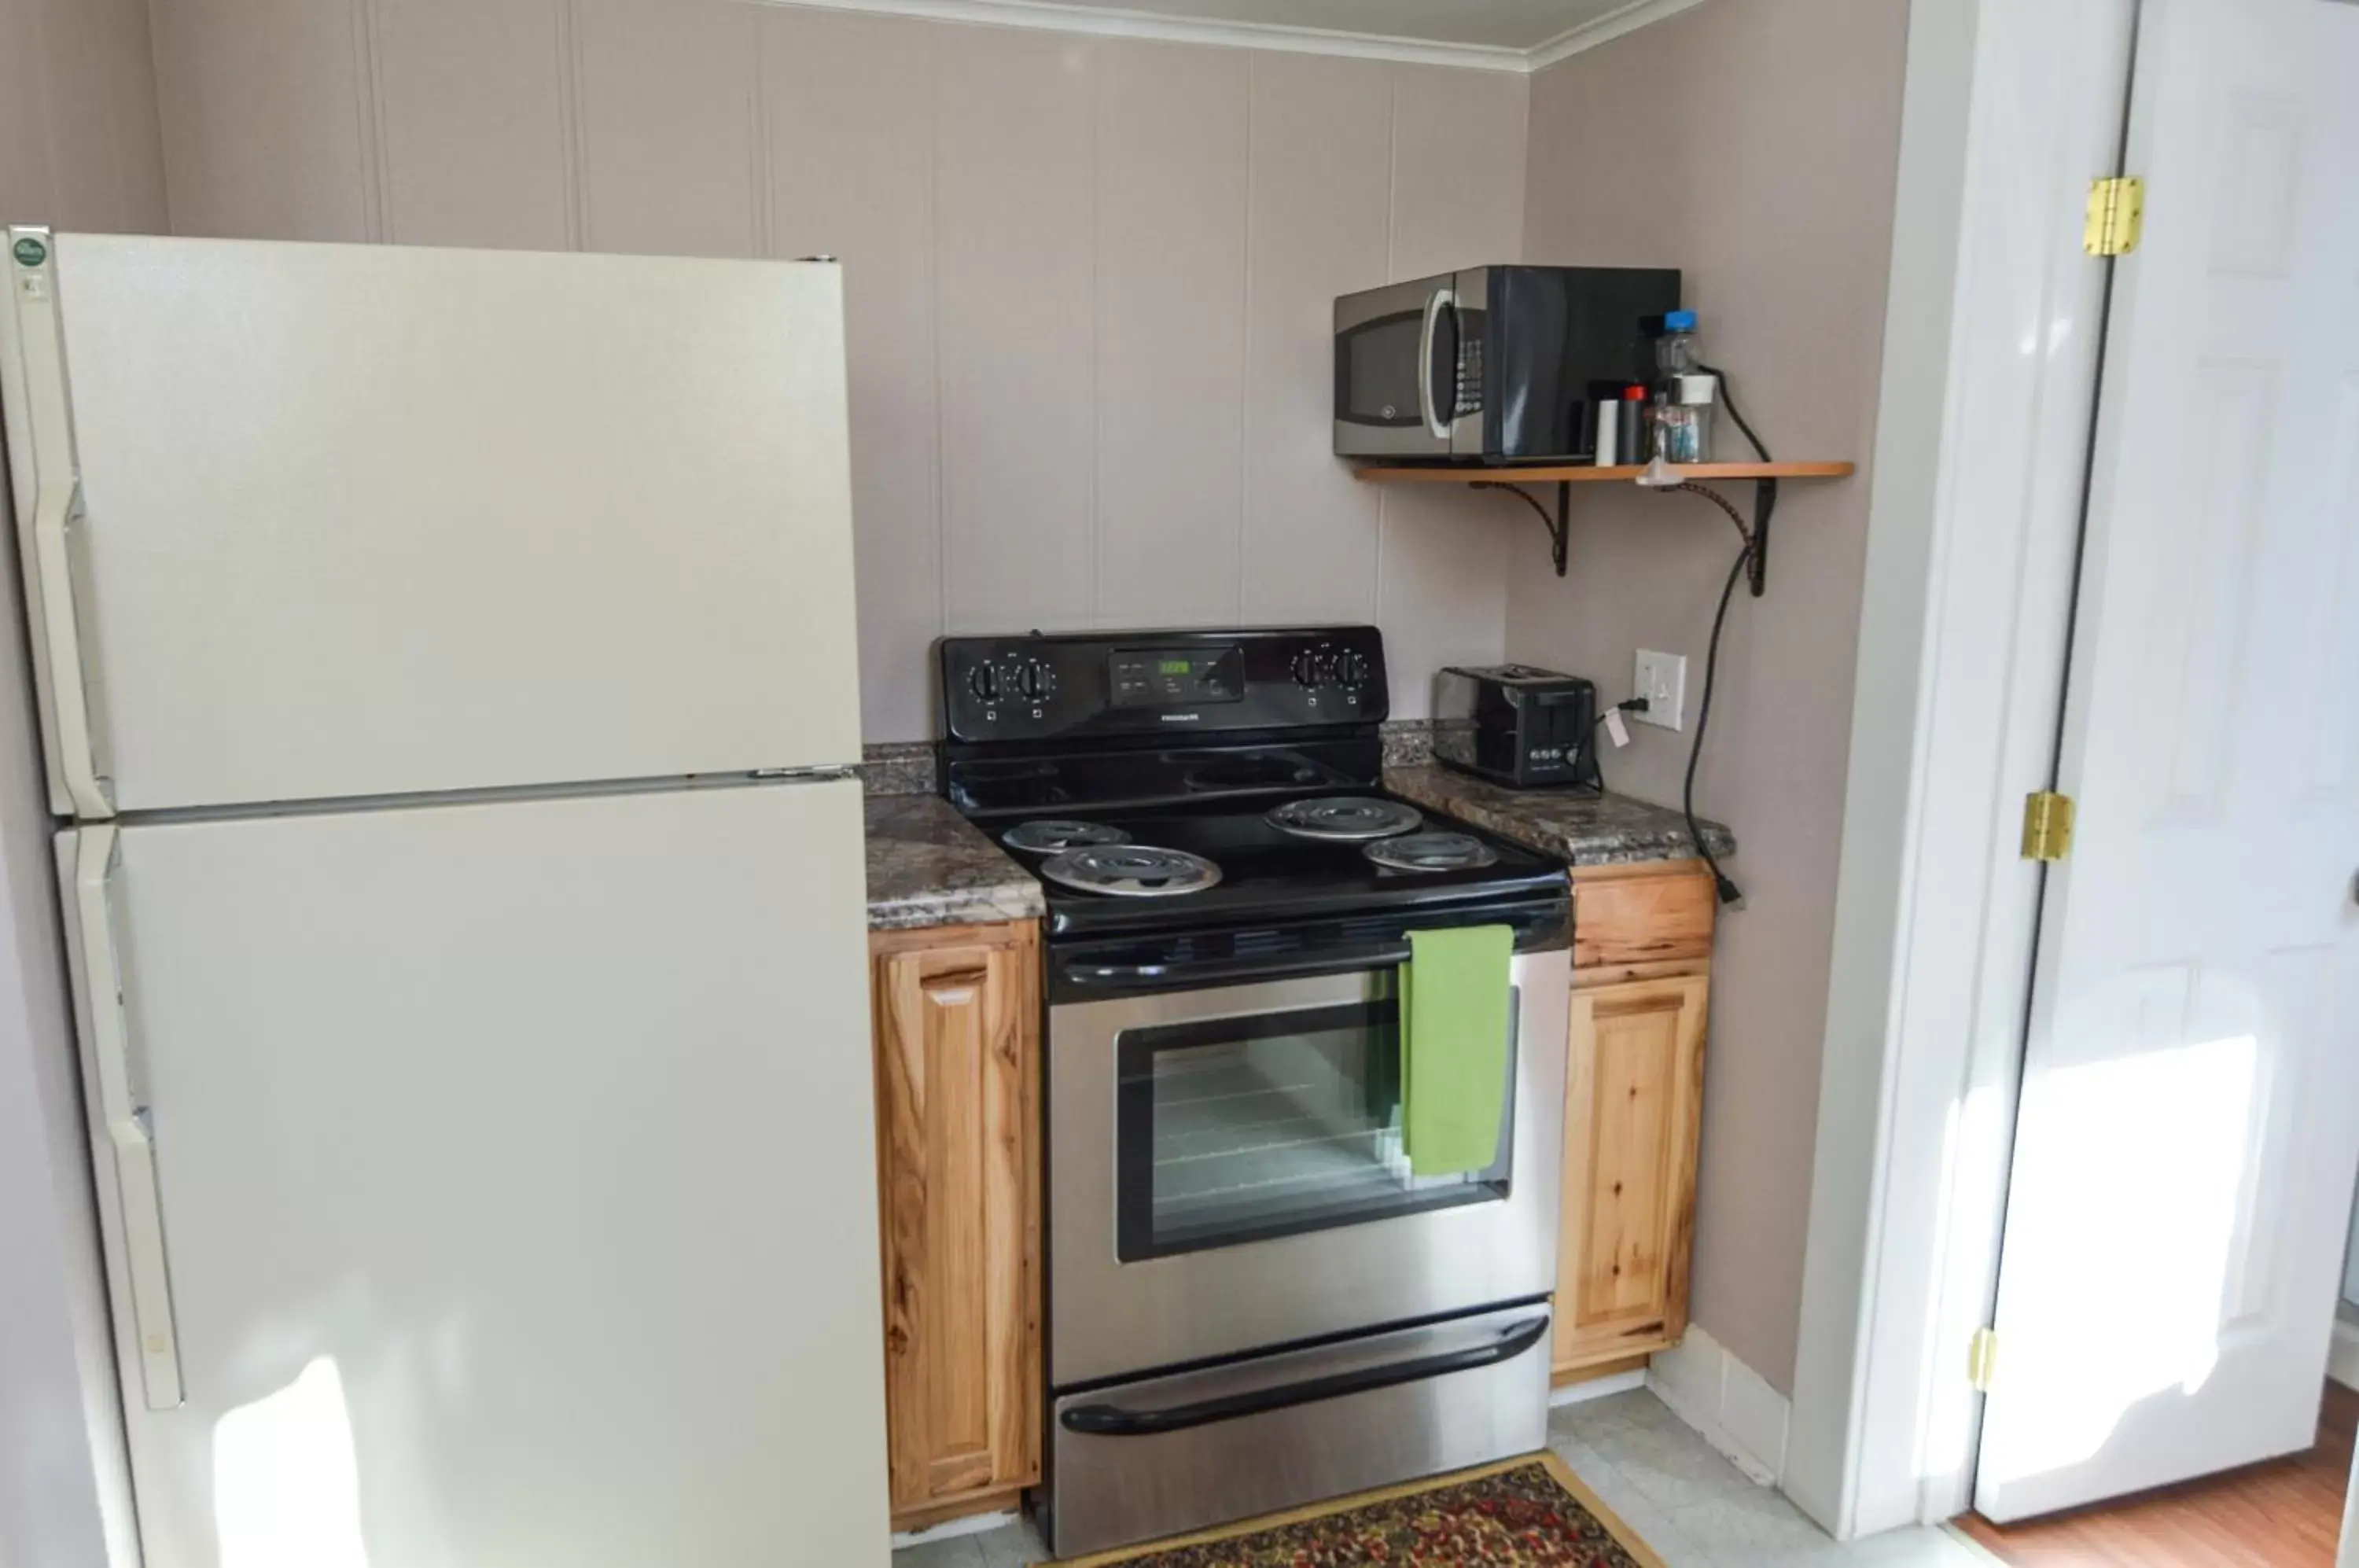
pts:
[956, 1066]
[1637, 1072]
[1632, 1098]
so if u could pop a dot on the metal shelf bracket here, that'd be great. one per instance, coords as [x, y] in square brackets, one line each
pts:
[1560, 526]
[1559, 523]
[1657, 476]
[1756, 570]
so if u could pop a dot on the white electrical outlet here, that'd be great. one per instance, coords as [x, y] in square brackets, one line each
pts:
[1662, 680]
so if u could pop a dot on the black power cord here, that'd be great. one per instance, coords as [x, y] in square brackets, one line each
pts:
[1728, 891]
[1765, 503]
[1764, 492]
[1633, 705]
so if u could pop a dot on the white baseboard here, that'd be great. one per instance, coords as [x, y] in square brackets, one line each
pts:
[1596, 1389]
[973, 1524]
[1728, 1403]
[2342, 1360]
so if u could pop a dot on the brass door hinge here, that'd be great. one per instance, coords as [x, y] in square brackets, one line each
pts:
[2047, 826]
[2117, 207]
[1981, 1359]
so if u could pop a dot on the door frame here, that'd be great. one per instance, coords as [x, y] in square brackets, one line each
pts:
[1992, 342]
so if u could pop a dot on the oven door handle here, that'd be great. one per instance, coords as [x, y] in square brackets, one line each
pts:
[1131, 976]
[1113, 1420]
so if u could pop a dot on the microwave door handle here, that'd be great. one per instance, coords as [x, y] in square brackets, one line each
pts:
[1436, 425]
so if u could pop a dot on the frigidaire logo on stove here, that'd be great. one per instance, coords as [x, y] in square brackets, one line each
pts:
[1181, 718]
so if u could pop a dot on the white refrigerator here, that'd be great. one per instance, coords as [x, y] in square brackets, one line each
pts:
[447, 682]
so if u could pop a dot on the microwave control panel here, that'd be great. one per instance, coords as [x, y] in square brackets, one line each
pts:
[1166, 682]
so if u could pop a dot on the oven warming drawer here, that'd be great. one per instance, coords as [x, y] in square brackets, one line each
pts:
[1170, 1455]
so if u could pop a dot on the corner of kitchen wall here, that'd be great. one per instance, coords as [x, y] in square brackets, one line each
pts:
[1753, 144]
[1729, 1404]
[81, 146]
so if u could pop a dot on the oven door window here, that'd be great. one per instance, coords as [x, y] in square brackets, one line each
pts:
[1243, 1128]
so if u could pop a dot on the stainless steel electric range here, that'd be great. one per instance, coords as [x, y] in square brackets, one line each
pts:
[1253, 1302]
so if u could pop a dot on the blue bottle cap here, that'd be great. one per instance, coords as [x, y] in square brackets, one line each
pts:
[1679, 320]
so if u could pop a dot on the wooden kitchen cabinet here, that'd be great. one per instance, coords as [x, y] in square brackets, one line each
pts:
[1634, 1097]
[957, 1013]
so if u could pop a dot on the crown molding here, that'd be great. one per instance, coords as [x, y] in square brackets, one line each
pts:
[1045, 15]
[1603, 29]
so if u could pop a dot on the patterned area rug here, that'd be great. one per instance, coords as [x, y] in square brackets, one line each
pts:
[1526, 1513]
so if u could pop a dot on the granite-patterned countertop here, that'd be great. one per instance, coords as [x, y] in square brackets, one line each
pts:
[1579, 828]
[929, 867]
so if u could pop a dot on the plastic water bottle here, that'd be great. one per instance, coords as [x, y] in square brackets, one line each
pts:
[1675, 351]
[1683, 418]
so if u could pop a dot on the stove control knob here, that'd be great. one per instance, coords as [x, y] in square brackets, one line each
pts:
[1037, 681]
[1352, 668]
[1306, 669]
[983, 683]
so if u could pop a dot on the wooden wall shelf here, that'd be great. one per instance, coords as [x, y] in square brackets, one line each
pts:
[1564, 477]
[1590, 473]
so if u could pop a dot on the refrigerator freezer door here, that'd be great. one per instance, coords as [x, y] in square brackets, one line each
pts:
[517, 1182]
[366, 520]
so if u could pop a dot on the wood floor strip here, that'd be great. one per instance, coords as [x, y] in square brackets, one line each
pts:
[2284, 1513]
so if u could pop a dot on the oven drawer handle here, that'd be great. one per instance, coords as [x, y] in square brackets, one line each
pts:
[1115, 976]
[1113, 1420]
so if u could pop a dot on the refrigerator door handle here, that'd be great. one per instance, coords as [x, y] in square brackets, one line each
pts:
[53, 509]
[126, 1121]
[57, 501]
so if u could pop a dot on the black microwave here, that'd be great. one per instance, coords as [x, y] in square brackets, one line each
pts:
[1493, 363]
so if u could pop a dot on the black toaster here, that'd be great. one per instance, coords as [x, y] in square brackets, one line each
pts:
[1523, 727]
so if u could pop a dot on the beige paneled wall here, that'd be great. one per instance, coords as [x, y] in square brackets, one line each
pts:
[1089, 278]
[1015, 321]
[263, 117]
[1174, 131]
[1772, 186]
[472, 126]
[78, 147]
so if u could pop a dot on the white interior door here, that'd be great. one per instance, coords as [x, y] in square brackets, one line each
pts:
[517, 1177]
[2190, 1118]
[364, 520]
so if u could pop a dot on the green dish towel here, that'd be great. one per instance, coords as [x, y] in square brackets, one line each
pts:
[1453, 1047]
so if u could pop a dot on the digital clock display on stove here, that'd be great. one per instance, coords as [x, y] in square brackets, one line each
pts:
[1151, 677]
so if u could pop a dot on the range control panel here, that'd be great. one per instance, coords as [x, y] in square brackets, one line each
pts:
[1049, 686]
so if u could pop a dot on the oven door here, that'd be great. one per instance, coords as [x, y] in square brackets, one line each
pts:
[1225, 1174]
[1408, 364]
